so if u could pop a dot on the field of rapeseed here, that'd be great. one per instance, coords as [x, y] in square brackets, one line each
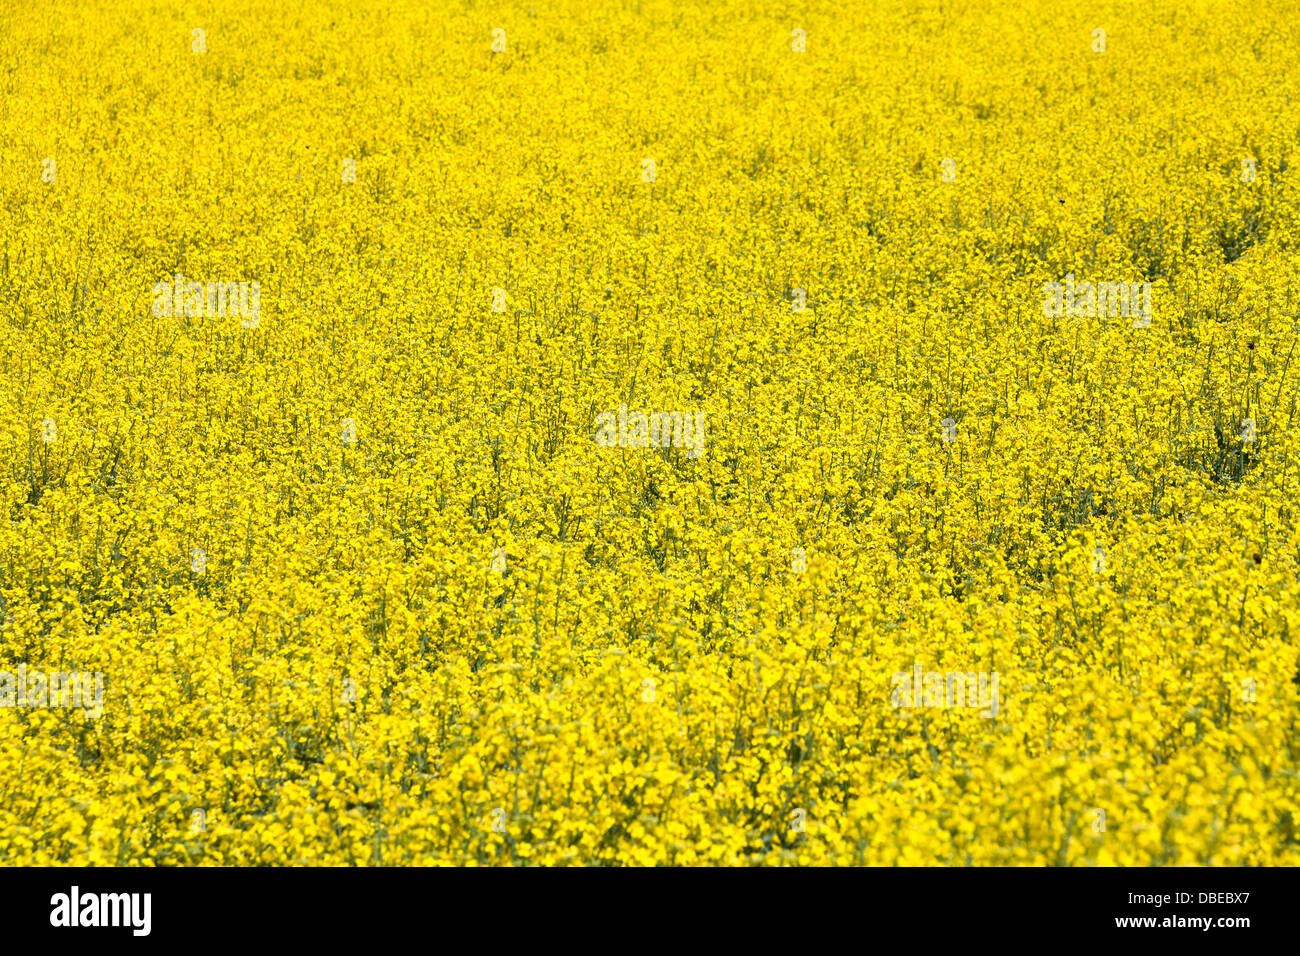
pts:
[592, 432]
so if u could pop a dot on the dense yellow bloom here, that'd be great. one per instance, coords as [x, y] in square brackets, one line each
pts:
[364, 584]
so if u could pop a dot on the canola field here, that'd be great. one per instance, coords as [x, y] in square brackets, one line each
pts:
[624, 432]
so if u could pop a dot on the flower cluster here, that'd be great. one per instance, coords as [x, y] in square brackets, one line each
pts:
[314, 318]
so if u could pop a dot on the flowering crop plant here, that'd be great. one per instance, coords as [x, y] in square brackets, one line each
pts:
[624, 433]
